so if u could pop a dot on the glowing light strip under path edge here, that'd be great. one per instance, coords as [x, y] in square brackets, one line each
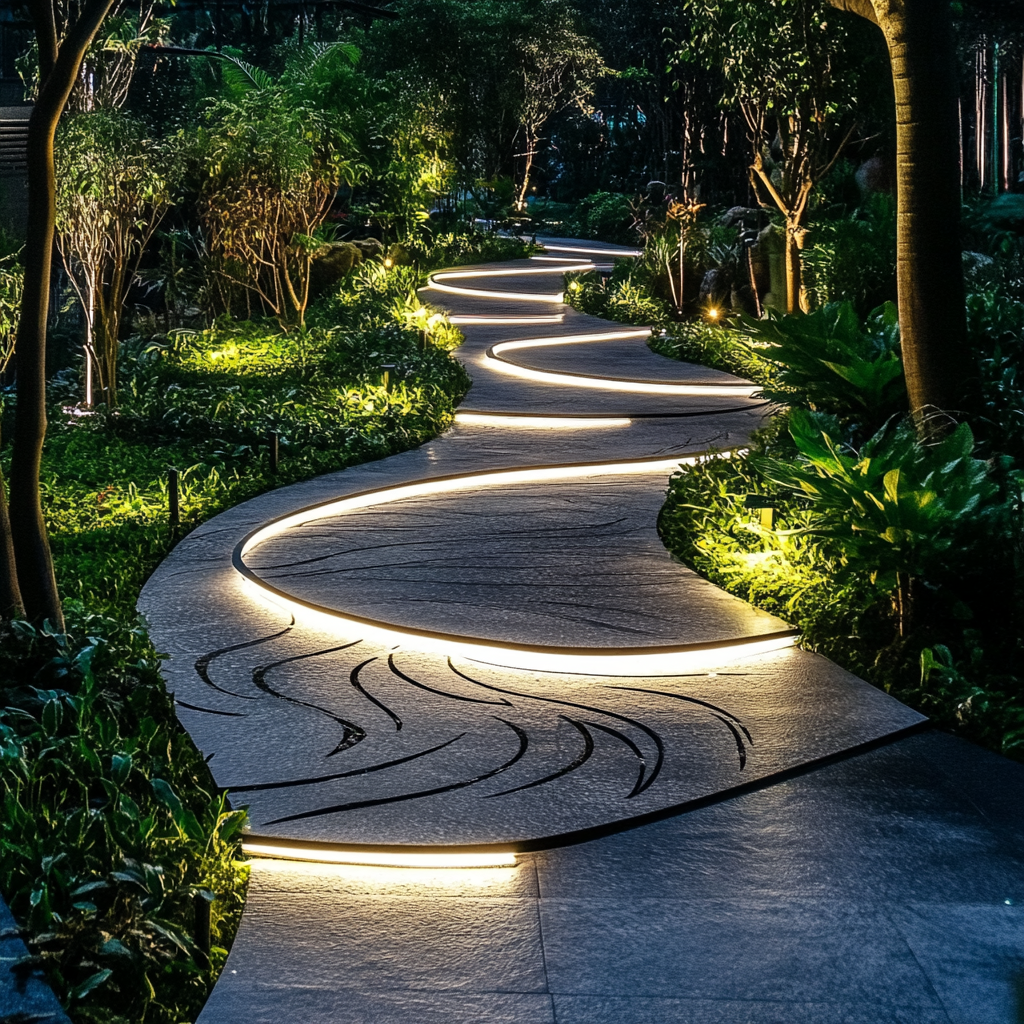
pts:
[497, 419]
[436, 282]
[593, 252]
[378, 858]
[494, 361]
[654, 660]
[469, 321]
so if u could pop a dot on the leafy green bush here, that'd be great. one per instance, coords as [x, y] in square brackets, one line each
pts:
[604, 216]
[995, 397]
[716, 345]
[788, 571]
[452, 248]
[897, 509]
[116, 843]
[625, 299]
[853, 259]
[828, 361]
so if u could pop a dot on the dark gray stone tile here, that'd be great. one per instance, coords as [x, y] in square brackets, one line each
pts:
[270, 1004]
[626, 1010]
[298, 932]
[973, 955]
[883, 825]
[795, 952]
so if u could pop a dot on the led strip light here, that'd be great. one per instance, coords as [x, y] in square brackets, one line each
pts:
[592, 251]
[668, 659]
[436, 282]
[494, 361]
[562, 259]
[497, 419]
[471, 320]
[323, 854]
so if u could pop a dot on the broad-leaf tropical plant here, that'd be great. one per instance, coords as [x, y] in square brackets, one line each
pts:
[830, 362]
[895, 507]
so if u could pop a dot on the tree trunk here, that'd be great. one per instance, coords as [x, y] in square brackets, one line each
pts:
[930, 281]
[11, 605]
[523, 190]
[794, 236]
[58, 72]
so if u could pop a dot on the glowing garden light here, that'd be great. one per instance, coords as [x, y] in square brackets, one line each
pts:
[438, 282]
[492, 419]
[369, 857]
[495, 360]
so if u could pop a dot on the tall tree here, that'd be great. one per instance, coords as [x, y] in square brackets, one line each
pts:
[796, 80]
[60, 60]
[929, 271]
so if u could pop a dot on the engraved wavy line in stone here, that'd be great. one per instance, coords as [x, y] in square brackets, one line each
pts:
[209, 711]
[524, 742]
[262, 786]
[585, 707]
[351, 732]
[354, 680]
[729, 719]
[202, 663]
[578, 761]
[441, 693]
[632, 746]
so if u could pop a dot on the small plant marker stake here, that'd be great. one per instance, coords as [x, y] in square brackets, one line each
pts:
[202, 925]
[275, 451]
[172, 498]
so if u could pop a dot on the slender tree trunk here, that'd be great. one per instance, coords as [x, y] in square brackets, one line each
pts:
[531, 145]
[930, 281]
[11, 605]
[792, 269]
[796, 293]
[59, 68]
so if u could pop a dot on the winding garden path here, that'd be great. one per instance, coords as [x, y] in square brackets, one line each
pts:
[481, 647]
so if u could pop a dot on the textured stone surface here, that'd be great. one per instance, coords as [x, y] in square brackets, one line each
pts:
[25, 997]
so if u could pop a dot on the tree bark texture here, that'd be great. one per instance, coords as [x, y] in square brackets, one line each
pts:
[59, 67]
[11, 605]
[930, 282]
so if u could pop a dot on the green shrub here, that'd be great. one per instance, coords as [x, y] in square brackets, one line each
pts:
[897, 509]
[603, 216]
[785, 570]
[625, 299]
[829, 361]
[113, 834]
[853, 259]
[716, 345]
